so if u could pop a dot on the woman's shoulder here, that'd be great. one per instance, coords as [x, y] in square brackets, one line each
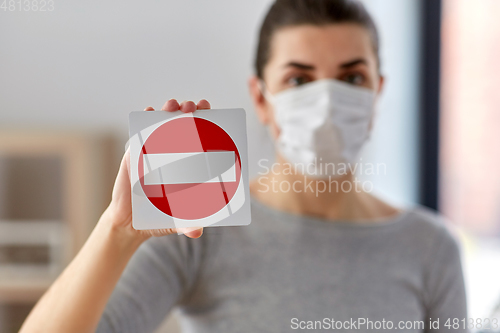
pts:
[431, 228]
[427, 219]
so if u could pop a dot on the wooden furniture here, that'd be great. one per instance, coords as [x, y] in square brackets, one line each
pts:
[54, 185]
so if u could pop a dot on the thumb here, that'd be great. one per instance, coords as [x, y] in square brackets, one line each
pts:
[121, 196]
[193, 232]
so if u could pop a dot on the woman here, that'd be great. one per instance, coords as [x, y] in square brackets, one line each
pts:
[309, 259]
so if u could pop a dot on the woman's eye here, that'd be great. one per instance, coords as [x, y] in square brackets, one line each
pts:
[354, 79]
[297, 80]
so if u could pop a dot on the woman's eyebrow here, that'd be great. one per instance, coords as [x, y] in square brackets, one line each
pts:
[353, 63]
[300, 65]
[308, 67]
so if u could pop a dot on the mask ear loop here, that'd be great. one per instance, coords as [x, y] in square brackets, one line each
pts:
[265, 92]
[271, 99]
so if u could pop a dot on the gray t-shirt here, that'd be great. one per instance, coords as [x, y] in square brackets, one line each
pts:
[285, 272]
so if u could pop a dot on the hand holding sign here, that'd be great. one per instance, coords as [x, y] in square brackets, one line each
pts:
[120, 209]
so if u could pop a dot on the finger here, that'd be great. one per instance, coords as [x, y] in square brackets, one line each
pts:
[149, 108]
[188, 106]
[195, 234]
[121, 194]
[171, 105]
[191, 232]
[202, 105]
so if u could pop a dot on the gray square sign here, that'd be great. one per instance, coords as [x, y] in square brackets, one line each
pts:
[189, 169]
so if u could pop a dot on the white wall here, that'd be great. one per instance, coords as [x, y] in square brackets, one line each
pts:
[395, 136]
[89, 63]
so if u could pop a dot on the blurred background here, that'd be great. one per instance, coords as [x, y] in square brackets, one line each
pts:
[70, 72]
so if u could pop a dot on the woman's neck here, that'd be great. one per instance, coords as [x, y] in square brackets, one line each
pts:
[334, 198]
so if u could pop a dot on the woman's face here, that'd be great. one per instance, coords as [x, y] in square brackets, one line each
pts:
[305, 53]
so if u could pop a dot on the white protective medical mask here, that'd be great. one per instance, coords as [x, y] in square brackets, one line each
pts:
[322, 124]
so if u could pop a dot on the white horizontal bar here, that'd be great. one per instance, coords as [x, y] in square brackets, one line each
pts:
[189, 168]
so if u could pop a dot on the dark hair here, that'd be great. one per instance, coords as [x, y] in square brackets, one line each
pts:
[285, 13]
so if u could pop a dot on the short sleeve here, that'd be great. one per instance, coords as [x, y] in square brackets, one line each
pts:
[445, 289]
[159, 275]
